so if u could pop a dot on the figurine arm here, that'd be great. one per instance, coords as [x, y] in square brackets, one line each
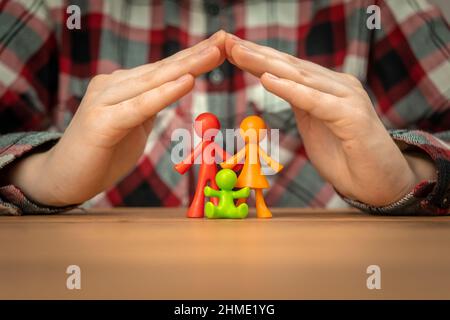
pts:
[242, 193]
[234, 160]
[224, 156]
[210, 192]
[184, 165]
[277, 167]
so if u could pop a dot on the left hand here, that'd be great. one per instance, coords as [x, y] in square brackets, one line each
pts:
[109, 131]
[342, 134]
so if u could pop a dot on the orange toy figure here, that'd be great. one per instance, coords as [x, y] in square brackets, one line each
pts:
[206, 126]
[252, 130]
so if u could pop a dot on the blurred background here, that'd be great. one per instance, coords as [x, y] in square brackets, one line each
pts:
[444, 5]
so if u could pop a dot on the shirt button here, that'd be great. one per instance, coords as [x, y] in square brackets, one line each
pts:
[216, 76]
[212, 7]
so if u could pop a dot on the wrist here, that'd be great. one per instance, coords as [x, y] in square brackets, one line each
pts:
[422, 166]
[419, 168]
[31, 176]
[389, 179]
[415, 167]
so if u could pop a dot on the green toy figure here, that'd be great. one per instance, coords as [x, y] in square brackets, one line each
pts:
[226, 180]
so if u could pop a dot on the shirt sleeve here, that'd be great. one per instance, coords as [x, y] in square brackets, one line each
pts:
[408, 81]
[13, 147]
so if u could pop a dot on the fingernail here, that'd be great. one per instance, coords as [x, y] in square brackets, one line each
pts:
[205, 51]
[271, 76]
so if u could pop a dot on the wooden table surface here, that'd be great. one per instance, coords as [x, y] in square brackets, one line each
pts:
[154, 253]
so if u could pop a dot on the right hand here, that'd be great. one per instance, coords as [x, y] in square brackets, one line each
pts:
[343, 136]
[108, 133]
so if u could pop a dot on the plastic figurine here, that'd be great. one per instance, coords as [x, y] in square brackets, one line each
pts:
[252, 130]
[206, 126]
[226, 180]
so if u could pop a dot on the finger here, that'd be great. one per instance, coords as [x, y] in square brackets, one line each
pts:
[232, 40]
[217, 39]
[138, 110]
[194, 64]
[321, 105]
[257, 63]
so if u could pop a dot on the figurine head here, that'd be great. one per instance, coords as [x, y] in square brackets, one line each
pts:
[226, 179]
[253, 129]
[206, 126]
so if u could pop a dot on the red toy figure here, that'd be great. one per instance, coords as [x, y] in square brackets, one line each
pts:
[206, 126]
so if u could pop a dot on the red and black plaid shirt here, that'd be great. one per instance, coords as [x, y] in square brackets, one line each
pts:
[45, 68]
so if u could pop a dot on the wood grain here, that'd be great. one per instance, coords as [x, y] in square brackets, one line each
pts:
[155, 253]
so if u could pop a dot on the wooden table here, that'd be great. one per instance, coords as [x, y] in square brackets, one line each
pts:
[159, 254]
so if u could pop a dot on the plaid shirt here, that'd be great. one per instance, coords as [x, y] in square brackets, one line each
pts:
[45, 69]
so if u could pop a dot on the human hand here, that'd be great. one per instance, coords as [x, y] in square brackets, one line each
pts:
[108, 133]
[342, 134]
